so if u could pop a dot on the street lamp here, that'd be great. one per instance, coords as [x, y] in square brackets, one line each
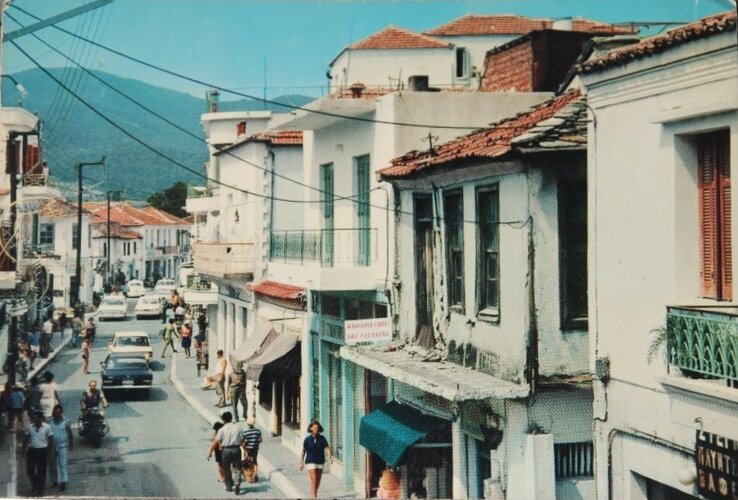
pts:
[19, 87]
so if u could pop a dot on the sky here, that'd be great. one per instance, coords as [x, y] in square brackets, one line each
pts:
[283, 45]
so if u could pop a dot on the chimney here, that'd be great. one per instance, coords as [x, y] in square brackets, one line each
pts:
[418, 83]
[357, 88]
[240, 128]
[563, 24]
[212, 100]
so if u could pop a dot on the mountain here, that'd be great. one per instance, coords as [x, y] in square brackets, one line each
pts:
[72, 133]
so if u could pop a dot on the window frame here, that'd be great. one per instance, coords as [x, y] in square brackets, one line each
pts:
[44, 230]
[486, 311]
[455, 304]
[567, 320]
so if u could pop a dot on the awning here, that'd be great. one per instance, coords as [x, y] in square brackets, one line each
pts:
[442, 378]
[250, 346]
[278, 356]
[281, 294]
[392, 429]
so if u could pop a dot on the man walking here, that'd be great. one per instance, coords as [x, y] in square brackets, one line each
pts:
[76, 330]
[63, 442]
[90, 331]
[35, 446]
[168, 335]
[237, 390]
[48, 330]
[250, 439]
[229, 438]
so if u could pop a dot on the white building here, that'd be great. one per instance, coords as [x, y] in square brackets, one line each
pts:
[662, 135]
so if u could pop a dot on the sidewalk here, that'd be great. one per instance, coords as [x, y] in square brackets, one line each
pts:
[276, 463]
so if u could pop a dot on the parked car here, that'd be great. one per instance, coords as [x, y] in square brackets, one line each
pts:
[126, 372]
[136, 289]
[112, 307]
[148, 306]
[164, 288]
[132, 343]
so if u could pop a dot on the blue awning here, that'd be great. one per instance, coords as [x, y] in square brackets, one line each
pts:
[392, 429]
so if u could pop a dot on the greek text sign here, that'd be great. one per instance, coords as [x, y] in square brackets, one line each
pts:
[717, 466]
[368, 330]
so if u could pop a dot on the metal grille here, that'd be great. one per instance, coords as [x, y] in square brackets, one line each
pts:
[574, 459]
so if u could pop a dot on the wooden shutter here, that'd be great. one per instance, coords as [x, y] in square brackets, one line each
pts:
[716, 270]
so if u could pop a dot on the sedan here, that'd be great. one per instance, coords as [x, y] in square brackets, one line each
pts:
[132, 343]
[112, 307]
[148, 305]
[126, 372]
[136, 289]
[164, 288]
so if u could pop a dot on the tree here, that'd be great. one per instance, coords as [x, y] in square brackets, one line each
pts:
[172, 200]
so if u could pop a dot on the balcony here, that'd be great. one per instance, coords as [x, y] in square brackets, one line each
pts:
[36, 250]
[194, 192]
[201, 199]
[225, 260]
[703, 341]
[327, 247]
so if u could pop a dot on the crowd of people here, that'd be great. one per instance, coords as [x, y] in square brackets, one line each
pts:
[179, 327]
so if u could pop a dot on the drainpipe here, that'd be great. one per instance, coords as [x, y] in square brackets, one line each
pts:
[396, 281]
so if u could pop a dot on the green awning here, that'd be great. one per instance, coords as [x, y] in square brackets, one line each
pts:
[392, 429]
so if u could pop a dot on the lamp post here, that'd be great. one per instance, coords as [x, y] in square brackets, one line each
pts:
[78, 266]
[19, 87]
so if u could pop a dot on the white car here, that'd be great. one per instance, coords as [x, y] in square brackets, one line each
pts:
[136, 289]
[164, 288]
[148, 305]
[112, 307]
[132, 343]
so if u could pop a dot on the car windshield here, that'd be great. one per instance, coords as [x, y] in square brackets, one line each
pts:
[150, 300]
[135, 283]
[165, 283]
[115, 362]
[113, 302]
[132, 341]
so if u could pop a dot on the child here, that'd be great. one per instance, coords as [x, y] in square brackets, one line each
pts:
[85, 355]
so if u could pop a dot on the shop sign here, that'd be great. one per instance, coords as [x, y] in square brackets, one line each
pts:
[717, 466]
[367, 330]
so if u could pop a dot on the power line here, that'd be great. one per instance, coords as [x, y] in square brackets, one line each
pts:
[248, 96]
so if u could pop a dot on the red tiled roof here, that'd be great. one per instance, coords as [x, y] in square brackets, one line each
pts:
[116, 231]
[162, 218]
[280, 138]
[703, 28]
[277, 290]
[129, 216]
[56, 207]
[512, 24]
[491, 142]
[393, 37]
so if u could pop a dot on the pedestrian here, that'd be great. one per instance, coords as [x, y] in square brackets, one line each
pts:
[201, 352]
[34, 343]
[218, 378]
[229, 438]
[164, 307]
[85, 355]
[315, 451]
[62, 322]
[76, 330]
[33, 397]
[179, 312]
[17, 403]
[215, 449]
[47, 332]
[49, 395]
[202, 325]
[175, 300]
[185, 333]
[63, 443]
[168, 334]
[36, 443]
[250, 439]
[237, 390]
[90, 332]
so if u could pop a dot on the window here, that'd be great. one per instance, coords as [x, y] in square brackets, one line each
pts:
[75, 230]
[105, 249]
[461, 62]
[46, 234]
[573, 253]
[134, 248]
[574, 459]
[453, 209]
[716, 266]
[488, 256]
[326, 182]
[362, 208]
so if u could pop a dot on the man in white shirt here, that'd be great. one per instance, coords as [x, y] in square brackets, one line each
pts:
[229, 437]
[35, 446]
[63, 442]
[47, 331]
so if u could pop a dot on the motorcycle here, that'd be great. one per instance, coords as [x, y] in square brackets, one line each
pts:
[92, 425]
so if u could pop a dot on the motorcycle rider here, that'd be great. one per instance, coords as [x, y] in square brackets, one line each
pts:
[92, 398]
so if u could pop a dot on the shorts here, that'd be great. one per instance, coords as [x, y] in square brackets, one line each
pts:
[314, 466]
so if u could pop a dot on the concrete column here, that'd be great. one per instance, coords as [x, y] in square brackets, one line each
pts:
[459, 462]
[273, 420]
[539, 466]
[349, 432]
[221, 324]
[473, 467]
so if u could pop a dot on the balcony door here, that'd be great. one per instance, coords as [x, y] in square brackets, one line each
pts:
[326, 185]
[362, 208]
[424, 269]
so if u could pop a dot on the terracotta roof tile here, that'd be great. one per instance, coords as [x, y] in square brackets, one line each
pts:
[277, 290]
[393, 37]
[129, 216]
[492, 142]
[280, 138]
[56, 207]
[512, 24]
[162, 218]
[703, 28]
[116, 231]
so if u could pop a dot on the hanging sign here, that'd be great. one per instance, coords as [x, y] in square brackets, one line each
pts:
[367, 330]
[717, 466]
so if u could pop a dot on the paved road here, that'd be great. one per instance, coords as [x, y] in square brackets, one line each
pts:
[155, 447]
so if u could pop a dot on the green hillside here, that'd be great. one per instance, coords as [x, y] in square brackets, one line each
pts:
[73, 133]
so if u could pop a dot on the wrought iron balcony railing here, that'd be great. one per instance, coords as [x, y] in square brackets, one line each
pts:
[703, 340]
[199, 191]
[329, 247]
[38, 250]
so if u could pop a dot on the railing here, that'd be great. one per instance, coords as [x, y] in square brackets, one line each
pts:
[703, 340]
[38, 180]
[168, 249]
[199, 191]
[38, 250]
[329, 247]
[223, 259]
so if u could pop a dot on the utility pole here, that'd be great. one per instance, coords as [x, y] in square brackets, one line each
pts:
[12, 156]
[107, 248]
[78, 267]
